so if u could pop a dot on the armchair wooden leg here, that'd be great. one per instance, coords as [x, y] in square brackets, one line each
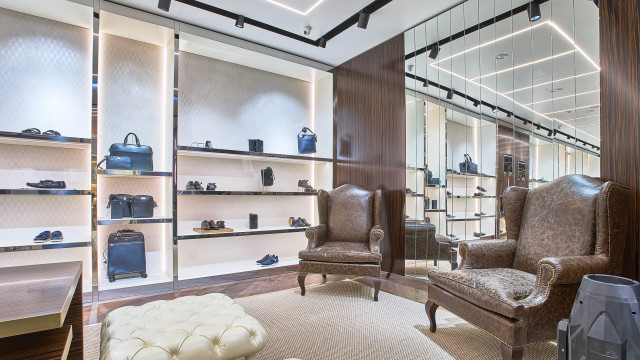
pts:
[376, 286]
[324, 278]
[431, 308]
[509, 353]
[301, 277]
[389, 274]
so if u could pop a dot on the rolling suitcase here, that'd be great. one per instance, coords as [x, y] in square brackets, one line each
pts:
[125, 254]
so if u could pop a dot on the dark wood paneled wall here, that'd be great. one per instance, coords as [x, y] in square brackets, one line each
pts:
[369, 135]
[620, 109]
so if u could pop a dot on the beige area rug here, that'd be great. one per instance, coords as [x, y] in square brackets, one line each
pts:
[339, 321]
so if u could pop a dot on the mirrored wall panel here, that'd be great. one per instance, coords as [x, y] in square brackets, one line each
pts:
[499, 93]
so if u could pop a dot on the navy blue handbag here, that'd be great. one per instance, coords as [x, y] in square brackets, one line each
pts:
[307, 142]
[126, 254]
[125, 156]
[467, 166]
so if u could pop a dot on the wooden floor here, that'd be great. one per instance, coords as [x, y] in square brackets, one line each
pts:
[255, 283]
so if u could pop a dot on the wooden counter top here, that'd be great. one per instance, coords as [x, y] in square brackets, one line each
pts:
[36, 297]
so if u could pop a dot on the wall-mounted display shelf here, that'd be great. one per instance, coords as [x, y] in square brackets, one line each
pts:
[413, 168]
[470, 218]
[435, 210]
[43, 192]
[244, 232]
[470, 197]
[120, 283]
[132, 221]
[134, 173]
[14, 138]
[46, 246]
[249, 193]
[471, 237]
[248, 155]
[466, 175]
[435, 186]
[416, 195]
[194, 272]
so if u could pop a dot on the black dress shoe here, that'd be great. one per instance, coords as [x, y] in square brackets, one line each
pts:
[48, 184]
[197, 185]
[33, 131]
[303, 222]
[213, 225]
[220, 224]
[212, 186]
[479, 214]
[190, 186]
[479, 234]
[478, 194]
[481, 189]
[51, 133]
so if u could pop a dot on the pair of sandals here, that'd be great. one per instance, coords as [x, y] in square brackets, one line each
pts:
[36, 131]
[479, 234]
[299, 222]
[47, 235]
[212, 225]
[195, 185]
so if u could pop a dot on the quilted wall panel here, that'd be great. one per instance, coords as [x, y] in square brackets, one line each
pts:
[132, 96]
[228, 104]
[45, 77]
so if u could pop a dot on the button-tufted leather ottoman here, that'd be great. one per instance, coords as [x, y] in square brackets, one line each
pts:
[187, 328]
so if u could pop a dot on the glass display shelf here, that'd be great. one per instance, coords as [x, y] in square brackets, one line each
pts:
[265, 193]
[120, 283]
[415, 195]
[200, 271]
[127, 221]
[435, 210]
[466, 175]
[265, 230]
[470, 197]
[43, 192]
[134, 173]
[248, 155]
[21, 239]
[14, 138]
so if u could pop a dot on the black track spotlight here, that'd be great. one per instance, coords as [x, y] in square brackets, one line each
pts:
[534, 11]
[164, 5]
[240, 22]
[425, 83]
[363, 20]
[537, 126]
[322, 43]
[450, 94]
[510, 114]
[494, 109]
[434, 52]
[476, 103]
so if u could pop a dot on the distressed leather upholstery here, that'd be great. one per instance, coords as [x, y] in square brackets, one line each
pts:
[191, 327]
[518, 289]
[347, 239]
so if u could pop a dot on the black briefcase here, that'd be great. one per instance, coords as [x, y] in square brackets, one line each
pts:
[125, 254]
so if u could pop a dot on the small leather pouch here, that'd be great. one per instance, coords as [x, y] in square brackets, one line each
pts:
[142, 206]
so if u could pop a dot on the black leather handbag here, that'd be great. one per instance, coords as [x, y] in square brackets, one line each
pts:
[125, 203]
[267, 176]
[142, 206]
[307, 142]
[125, 156]
[126, 254]
[467, 166]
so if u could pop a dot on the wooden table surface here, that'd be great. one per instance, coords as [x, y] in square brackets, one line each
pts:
[37, 297]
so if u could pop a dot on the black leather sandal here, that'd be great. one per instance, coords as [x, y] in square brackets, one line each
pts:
[197, 185]
[213, 225]
[190, 186]
[204, 225]
[220, 224]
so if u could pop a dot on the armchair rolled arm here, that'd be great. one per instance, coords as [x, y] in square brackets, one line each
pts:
[316, 236]
[375, 237]
[571, 269]
[554, 273]
[487, 254]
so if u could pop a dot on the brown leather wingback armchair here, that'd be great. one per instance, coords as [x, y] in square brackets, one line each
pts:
[520, 288]
[347, 239]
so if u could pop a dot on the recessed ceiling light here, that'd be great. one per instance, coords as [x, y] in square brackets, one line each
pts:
[296, 10]
[502, 56]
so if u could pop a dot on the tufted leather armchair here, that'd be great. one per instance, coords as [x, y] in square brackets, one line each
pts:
[518, 289]
[347, 239]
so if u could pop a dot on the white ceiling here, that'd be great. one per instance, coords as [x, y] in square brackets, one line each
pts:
[559, 51]
[392, 19]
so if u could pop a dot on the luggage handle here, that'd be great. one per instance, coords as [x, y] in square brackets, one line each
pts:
[467, 158]
[126, 138]
[304, 131]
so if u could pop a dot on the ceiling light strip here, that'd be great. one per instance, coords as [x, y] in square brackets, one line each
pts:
[574, 44]
[296, 10]
[551, 82]
[570, 109]
[563, 97]
[525, 64]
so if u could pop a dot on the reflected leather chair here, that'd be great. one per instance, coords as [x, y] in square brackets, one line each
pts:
[421, 243]
[520, 288]
[347, 239]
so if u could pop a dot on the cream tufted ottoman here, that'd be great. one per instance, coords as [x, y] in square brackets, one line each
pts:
[188, 328]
